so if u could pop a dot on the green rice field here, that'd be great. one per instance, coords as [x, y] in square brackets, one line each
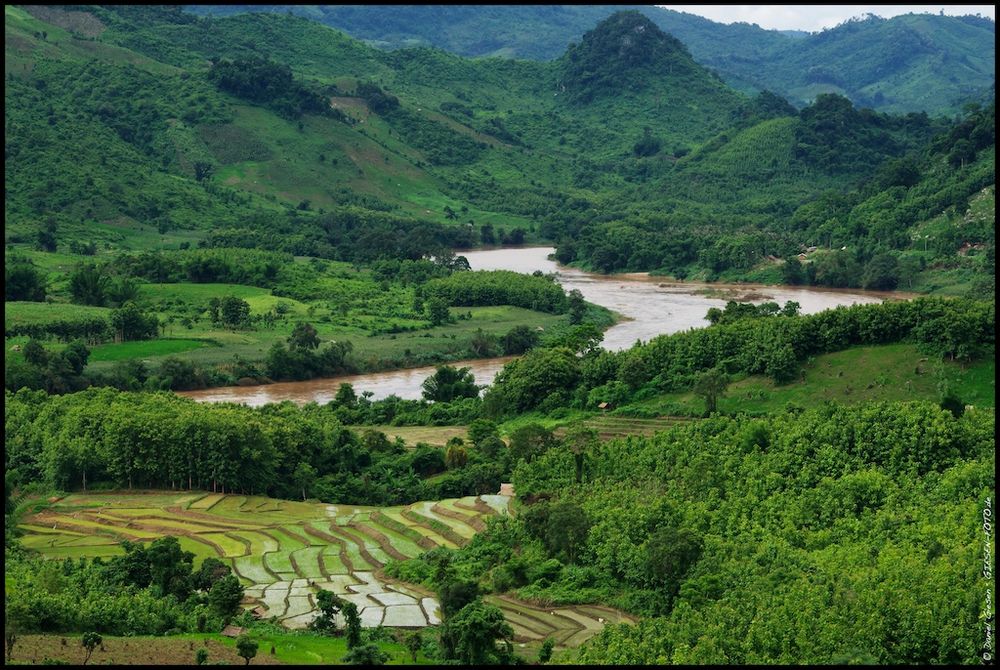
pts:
[285, 551]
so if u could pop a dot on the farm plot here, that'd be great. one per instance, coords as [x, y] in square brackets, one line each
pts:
[567, 626]
[285, 551]
[457, 524]
[611, 426]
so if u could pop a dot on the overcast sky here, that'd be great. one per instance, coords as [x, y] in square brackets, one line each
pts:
[817, 17]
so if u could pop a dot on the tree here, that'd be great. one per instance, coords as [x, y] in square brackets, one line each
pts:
[492, 447]
[210, 572]
[413, 642]
[481, 429]
[483, 344]
[524, 383]
[120, 290]
[329, 606]
[47, 236]
[577, 307]
[90, 642]
[518, 340]
[455, 593]
[647, 145]
[471, 635]
[76, 354]
[568, 526]
[449, 383]
[246, 648]
[908, 268]
[23, 281]
[303, 337]
[792, 272]
[580, 439]
[437, 310]
[88, 285]
[962, 152]
[304, 477]
[486, 234]
[170, 567]
[670, 553]
[234, 312]
[791, 308]
[225, 595]
[781, 364]
[352, 621]
[545, 652]
[130, 323]
[35, 353]
[17, 617]
[202, 170]
[530, 441]
[455, 455]
[201, 656]
[346, 397]
[366, 654]
[881, 273]
[711, 385]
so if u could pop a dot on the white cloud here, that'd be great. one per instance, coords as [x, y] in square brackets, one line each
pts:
[817, 17]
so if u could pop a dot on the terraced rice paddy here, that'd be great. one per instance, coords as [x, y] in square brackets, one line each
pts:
[285, 551]
[609, 426]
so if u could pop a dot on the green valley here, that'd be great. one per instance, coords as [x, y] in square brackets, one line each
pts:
[496, 336]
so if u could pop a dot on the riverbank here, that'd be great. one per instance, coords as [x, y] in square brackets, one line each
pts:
[645, 307]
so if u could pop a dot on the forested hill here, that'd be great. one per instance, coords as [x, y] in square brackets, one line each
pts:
[146, 127]
[915, 62]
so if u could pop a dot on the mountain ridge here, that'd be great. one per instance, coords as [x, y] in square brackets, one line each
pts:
[958, 66]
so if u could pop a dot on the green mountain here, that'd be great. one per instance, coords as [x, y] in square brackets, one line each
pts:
[149, 127]
[915, 62]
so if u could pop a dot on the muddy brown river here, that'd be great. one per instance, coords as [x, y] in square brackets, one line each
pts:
[650, 306]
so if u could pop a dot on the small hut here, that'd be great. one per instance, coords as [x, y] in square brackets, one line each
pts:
[233, 631]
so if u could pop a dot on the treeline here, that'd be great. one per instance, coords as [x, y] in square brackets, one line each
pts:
[804, 538]
[959, 329]
[251, 267]
[347, 234]
[88, 328]
[150, 590]
[271, 84]
[498, 287]
[108, 438]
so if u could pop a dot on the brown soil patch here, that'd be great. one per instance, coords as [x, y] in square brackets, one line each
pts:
[428, 523]
[130, 651]
[382, 540]
[83, 23]
[365, 554]
[480, 506]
